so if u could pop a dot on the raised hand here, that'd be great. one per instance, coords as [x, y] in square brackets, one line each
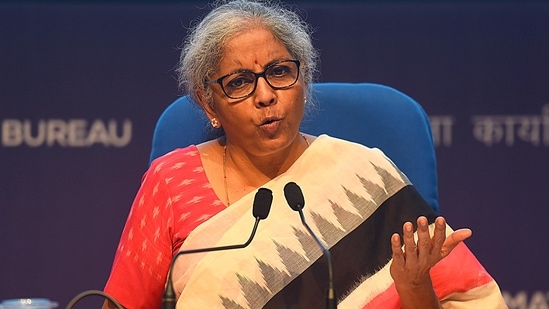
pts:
[411, 265]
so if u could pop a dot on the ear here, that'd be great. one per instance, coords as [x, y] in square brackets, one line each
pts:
[208, 109]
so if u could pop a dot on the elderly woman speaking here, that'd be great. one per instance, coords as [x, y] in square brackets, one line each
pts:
[249, 66]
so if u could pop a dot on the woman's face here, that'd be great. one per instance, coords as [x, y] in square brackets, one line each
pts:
[269, 119]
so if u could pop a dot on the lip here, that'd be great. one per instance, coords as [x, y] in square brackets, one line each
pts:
[270, 124]
[269, 120]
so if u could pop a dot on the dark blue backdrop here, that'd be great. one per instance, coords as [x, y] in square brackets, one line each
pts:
[81, 86]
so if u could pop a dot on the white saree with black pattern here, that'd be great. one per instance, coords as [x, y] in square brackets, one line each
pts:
[355, 199]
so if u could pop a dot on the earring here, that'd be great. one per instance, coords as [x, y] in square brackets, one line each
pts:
[215, 123]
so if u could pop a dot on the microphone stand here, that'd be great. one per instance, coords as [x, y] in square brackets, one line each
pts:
[168, 300]
[296, 201]
[331, 302]
[78, 297]
[261, 207]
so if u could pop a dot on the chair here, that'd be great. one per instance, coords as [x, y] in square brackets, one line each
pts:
[371, 114]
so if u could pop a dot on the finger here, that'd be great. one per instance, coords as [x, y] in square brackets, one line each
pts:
[454, 239]
[439, 235]
[424, 243]
[398, 254]
[398, 264]
[410, 247]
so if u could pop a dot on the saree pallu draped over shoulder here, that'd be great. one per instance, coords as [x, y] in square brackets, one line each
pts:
[355, 199]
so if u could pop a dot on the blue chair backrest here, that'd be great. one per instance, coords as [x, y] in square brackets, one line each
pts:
[370, 114]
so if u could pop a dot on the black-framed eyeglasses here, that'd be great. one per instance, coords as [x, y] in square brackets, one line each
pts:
[241, 84]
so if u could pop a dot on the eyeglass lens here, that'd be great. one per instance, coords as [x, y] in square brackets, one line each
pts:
[279, 75]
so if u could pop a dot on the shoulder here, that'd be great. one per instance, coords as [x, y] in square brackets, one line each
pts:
[175, 159]
[357, 155]
[181, 163]
[348, 147]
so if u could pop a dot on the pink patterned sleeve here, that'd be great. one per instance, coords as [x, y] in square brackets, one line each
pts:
[174, 198]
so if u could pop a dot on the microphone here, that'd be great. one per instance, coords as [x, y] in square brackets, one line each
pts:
[261, 207]
[294, 197]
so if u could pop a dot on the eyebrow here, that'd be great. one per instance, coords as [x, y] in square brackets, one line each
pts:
[263, 67]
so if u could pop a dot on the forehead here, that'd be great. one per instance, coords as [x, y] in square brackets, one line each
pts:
[256, 47]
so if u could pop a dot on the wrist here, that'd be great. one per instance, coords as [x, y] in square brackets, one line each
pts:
[416, 283]
[417, 294]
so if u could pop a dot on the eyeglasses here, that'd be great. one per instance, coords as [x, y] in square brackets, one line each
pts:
[241, 84]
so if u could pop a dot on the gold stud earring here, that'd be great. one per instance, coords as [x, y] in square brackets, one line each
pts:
[215, 123]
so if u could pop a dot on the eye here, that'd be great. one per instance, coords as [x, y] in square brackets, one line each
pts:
[239, 80]
[279, 70]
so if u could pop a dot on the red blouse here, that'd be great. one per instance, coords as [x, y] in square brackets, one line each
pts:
[175, 197]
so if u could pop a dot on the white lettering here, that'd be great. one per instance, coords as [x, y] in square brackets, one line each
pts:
[34, 141]
[545, 122]
[10, 133]
[77, 132]
[441, 126]
[539, 300]
[488, 130]
[98, 134]
[65, 133]
[126, 133]
[528, 128]
[56, 132]
[520, 301]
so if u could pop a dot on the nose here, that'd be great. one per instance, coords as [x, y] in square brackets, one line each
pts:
[264, 94]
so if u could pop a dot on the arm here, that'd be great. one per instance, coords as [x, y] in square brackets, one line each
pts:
[161, 218]
[410, 267]
[145, 248]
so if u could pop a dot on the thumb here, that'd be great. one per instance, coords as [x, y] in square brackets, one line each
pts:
[453, 240]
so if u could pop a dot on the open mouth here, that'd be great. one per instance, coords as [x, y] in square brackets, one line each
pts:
[269, 121]
[271, 125]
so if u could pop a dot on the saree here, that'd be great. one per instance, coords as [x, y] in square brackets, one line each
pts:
[355, 199]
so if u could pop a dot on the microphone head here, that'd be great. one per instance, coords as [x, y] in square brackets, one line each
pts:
[262, 203]
[294, 196]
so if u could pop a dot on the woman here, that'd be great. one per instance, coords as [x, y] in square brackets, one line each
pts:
[248, 65]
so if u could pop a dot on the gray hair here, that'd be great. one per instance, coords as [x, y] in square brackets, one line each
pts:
[204, 46]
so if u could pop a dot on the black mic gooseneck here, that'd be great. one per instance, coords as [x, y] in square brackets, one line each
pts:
[261, 207]
[294, 197]
[80, 296]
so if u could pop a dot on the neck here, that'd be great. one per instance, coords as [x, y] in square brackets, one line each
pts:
[269, 166]
[244, 172]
